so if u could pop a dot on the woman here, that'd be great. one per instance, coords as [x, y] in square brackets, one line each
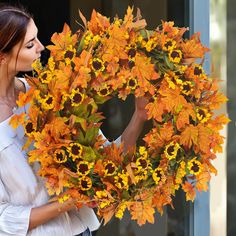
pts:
[24, 206]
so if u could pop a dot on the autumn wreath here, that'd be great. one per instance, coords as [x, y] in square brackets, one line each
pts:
[122, 57]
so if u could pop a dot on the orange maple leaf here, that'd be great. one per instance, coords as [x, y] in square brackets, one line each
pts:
[98, 23]
[142, 212]
[61, 42]
[192, 48]
[216, 100]
[25, 98]
[158, 138]
[172, 99]
[203, 139]
[161, 198]
[189, 136]
[16, 120]
[189, 190]
[144, 71]
[184, 116]
[219, 122]
[155, 110]
[202, 181]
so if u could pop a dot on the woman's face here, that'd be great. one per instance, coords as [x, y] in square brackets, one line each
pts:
[22, 56]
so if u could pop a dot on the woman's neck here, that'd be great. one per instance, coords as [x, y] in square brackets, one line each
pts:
[7, 83]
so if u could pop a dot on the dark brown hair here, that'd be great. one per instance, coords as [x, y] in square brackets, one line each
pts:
[13, 26]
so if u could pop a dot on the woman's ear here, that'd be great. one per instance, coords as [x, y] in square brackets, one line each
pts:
[2, 58]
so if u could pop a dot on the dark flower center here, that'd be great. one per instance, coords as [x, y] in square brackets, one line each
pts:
[186, 87]
[49, 100]
[158, 173]
[110, 168]
[201, 113]
[60, 156]
[84, 184]
[132, 52]
[131, 83]
[77, 98]
[175, 54]
[168, 44]
[83, 168]
[170, 149]
[131, 64]
[143, 163]
[104, 91]
[195, 167]
[197, 71]
[29, 128]
[44, 76]
[75, 150]
[69, 54]
[97, 65]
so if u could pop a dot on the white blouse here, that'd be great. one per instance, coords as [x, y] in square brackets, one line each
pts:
[21, 190]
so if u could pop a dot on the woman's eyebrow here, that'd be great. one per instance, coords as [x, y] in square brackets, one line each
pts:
[30, 40]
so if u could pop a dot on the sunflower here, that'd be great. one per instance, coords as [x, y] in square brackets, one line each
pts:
[69, 54]
[158, 175]
[194, 167]
[76, 97]
[203, 115]
[109, 168]
[60, 156]
[104, 91]
[171, 150]
[198, 70]
[84, 167]
[85, 183]
[142, 163]
[175, 56]
[121, 180]
[29, 128]
[46, 77]
[97, 65]
[132, 83]
[169, 45]
[187, 87]
[48, 102]
[75, 150]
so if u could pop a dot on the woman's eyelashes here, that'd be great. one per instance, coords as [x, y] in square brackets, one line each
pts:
[30, 45]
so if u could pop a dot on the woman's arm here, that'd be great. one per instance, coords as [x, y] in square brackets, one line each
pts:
[45, 213]
[135, 126]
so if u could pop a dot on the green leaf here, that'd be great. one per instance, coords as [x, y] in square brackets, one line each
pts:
[88, 154]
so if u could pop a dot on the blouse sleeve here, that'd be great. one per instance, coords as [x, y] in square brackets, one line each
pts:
[14, 218]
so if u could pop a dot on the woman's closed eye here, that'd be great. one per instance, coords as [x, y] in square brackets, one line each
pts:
[30, 45]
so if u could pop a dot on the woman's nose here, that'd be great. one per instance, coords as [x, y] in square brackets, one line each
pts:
[40, 47]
